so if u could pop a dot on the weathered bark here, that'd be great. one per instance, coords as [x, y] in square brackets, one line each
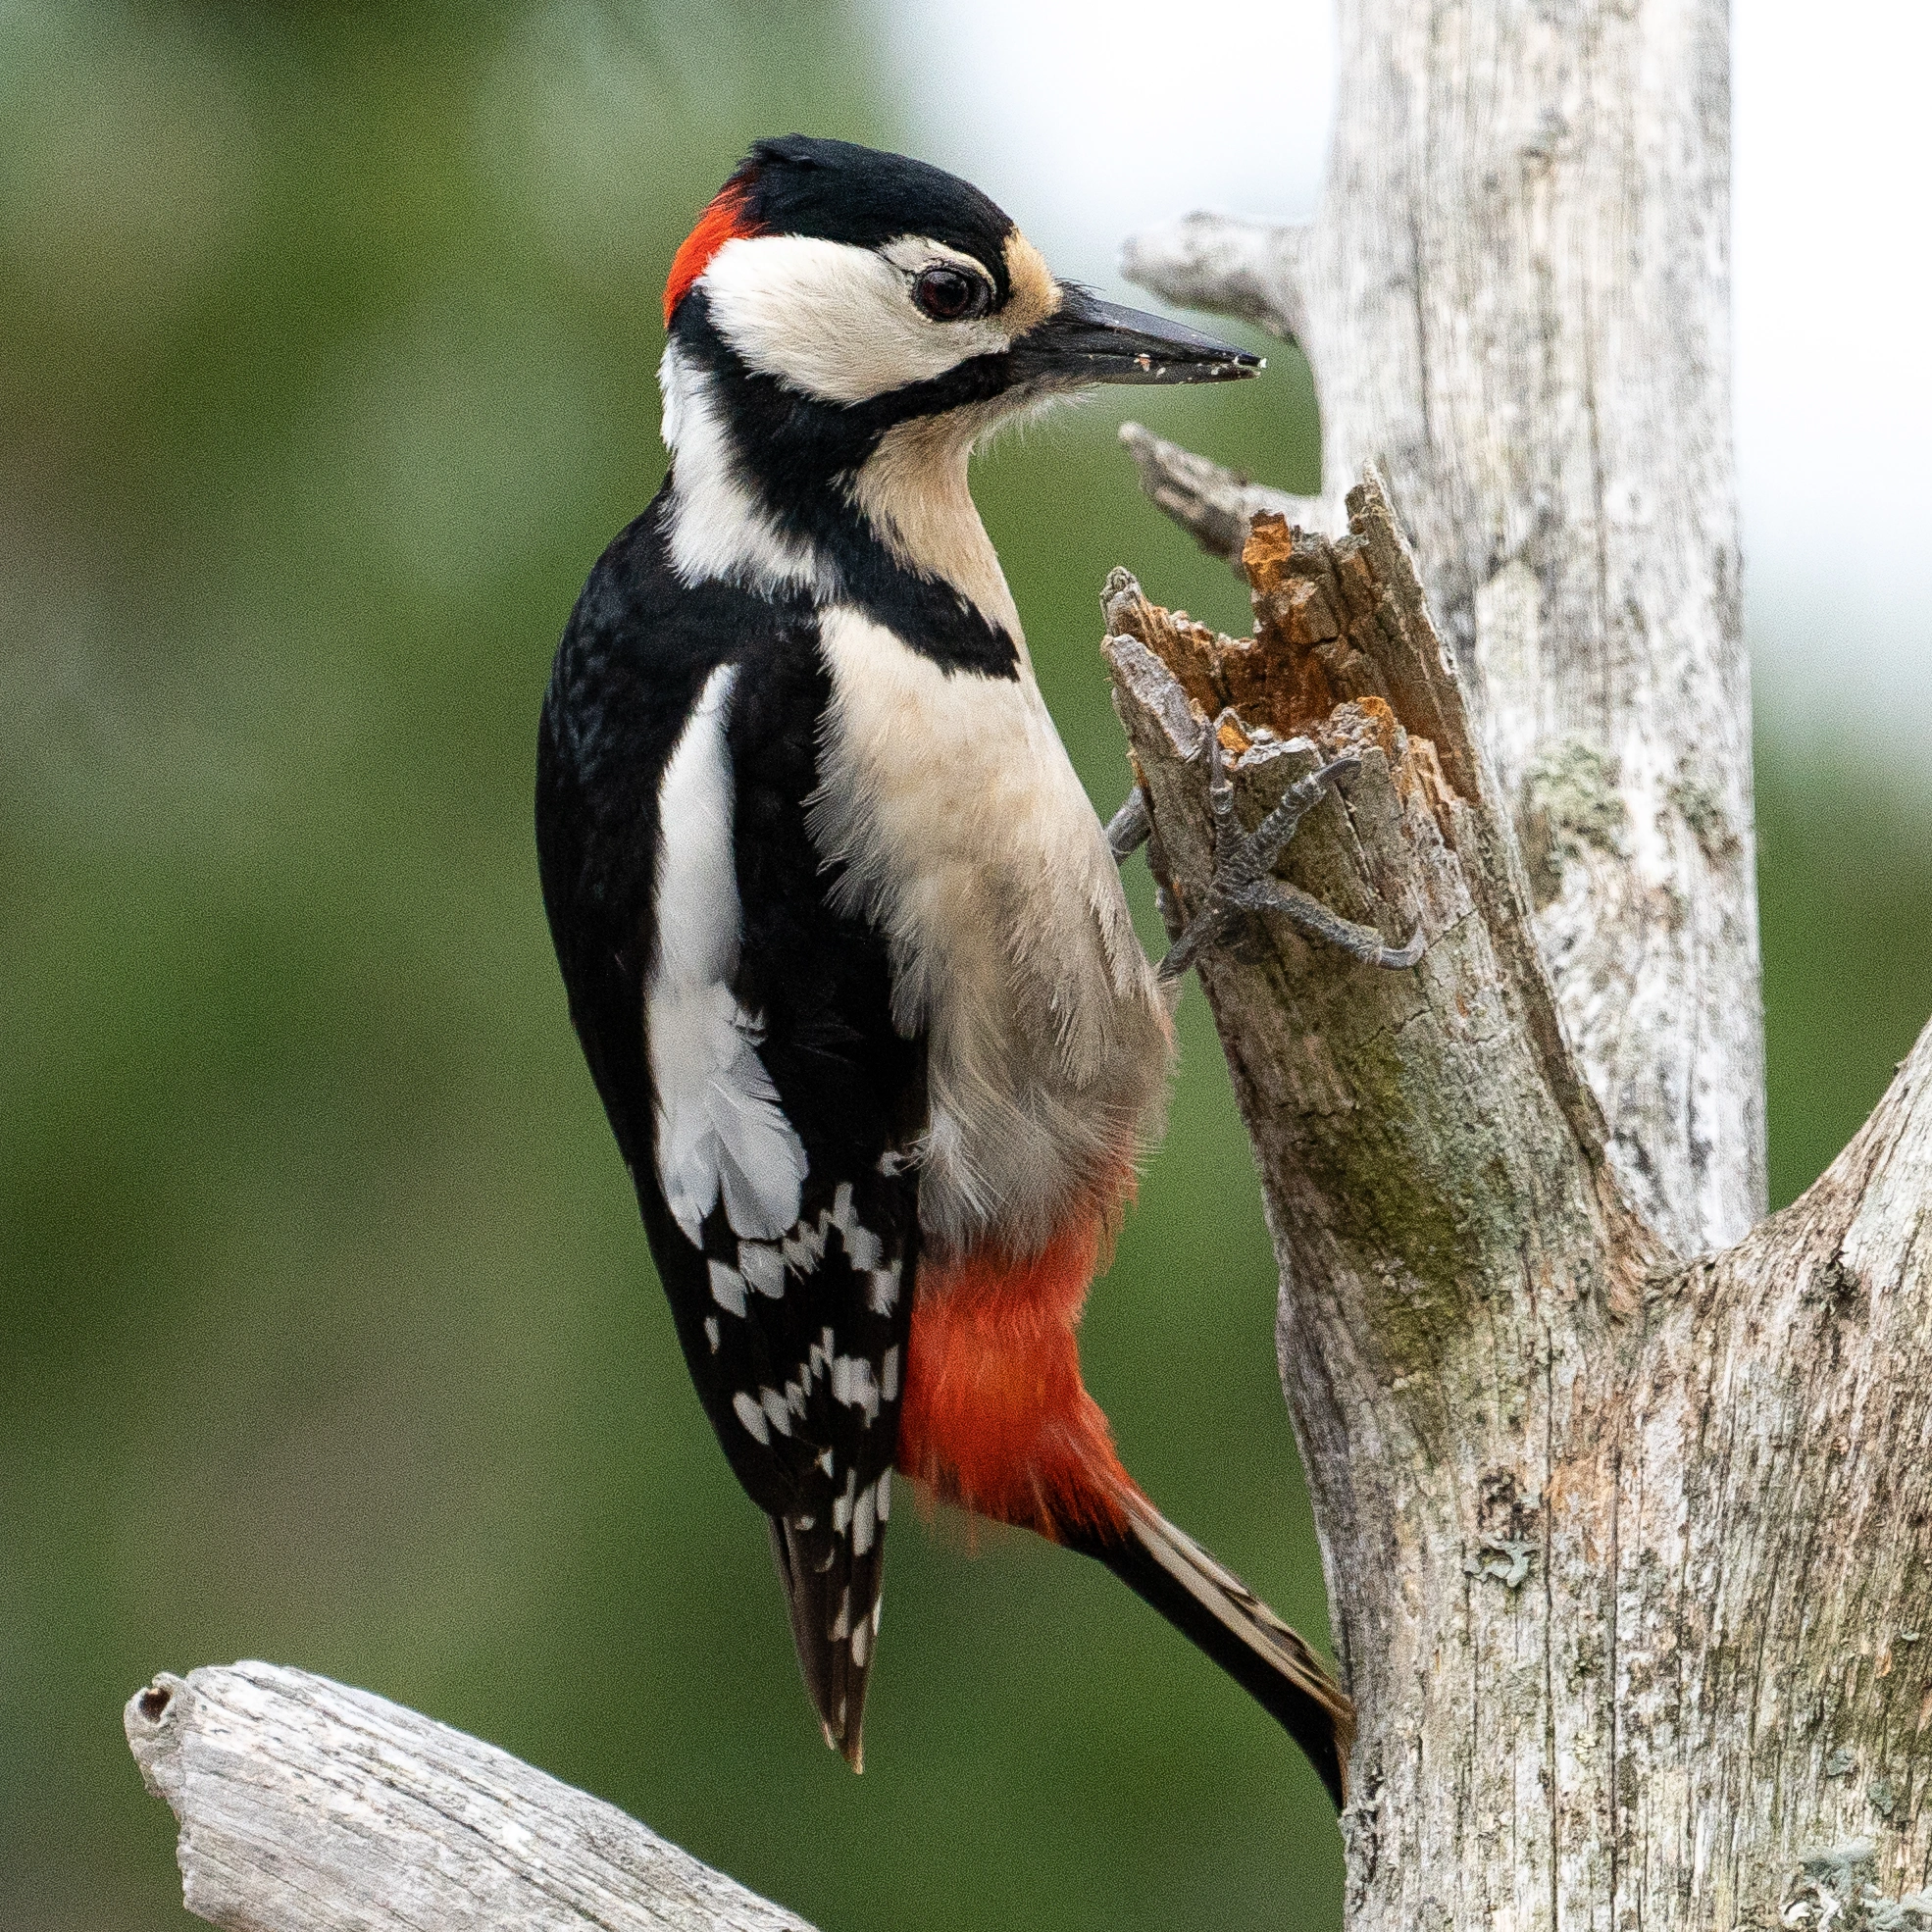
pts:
[1516, 303]
[1626, 1551]
[306, 1807]
[1628, 1557]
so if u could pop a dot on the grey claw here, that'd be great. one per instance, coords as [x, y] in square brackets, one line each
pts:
[1404, 955]
[1220, 787]
[1244, 882]
[1265, 844]
[1130, 828]
[1322, 922]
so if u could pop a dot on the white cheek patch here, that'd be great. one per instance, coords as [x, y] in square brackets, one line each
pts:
[837, 322]
[720, 1129]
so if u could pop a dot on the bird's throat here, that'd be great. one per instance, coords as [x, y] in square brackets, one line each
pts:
[914, 496]
[829, 520]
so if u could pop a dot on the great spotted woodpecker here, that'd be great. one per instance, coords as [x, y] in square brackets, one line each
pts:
[844, 942]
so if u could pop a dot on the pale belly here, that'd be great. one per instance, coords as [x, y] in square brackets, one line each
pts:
[966, 836]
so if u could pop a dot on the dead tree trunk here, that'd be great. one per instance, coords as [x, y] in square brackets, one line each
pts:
[1626, 1556]
[1627, 1541]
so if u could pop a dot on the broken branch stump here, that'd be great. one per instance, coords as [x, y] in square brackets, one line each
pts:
[1629, 1554]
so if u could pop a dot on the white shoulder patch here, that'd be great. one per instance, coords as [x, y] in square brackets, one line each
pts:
[720, 1129]
[716, 526]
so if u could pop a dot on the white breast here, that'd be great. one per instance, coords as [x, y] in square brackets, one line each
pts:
[965, 834]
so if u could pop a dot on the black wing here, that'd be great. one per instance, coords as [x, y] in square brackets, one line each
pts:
[796, 1337]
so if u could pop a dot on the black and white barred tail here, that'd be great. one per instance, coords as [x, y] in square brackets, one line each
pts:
[833, 1579]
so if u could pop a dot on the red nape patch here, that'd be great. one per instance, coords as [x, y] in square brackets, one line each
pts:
[723, 220]
[996, 1417]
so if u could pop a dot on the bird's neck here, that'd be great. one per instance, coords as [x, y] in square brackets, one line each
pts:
[913, 495]
[719, 518]
[829, 516]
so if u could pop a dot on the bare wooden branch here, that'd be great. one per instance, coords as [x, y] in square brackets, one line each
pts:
[1628, 1559]
[1248, 269]
[1212, 504]
[306, 1807]
[1514, 300]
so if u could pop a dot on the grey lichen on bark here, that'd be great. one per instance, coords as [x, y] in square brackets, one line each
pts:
[1514, 300]
[307, 1806]
[1628, 1557]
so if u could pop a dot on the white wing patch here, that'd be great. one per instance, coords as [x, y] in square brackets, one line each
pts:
[720, 1129]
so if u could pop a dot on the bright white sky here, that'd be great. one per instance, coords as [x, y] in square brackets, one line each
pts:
[1092, 119]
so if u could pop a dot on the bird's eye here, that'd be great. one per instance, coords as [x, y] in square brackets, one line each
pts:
[951, 294]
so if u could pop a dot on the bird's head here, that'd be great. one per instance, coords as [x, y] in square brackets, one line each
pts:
[844, 325]
[869, 282]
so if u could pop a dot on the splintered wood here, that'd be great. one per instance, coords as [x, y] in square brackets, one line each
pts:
[1320, 663]
[1341, 646]
[1298, 667]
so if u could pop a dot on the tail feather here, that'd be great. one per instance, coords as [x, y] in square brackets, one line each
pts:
[833, 1596]
[1217, 1612]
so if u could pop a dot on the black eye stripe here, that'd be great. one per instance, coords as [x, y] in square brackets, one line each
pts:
[951, 294]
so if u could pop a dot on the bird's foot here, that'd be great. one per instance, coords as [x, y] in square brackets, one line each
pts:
[1243, 882]
[1130, 828]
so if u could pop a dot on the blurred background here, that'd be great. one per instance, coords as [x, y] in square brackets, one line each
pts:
[326, 1331]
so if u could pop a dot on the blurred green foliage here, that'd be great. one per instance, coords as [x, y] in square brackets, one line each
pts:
[326, 1331]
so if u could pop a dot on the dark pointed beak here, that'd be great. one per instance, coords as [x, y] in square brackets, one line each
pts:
[1089, 340]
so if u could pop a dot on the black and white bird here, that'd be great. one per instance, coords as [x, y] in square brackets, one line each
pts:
[844, 942]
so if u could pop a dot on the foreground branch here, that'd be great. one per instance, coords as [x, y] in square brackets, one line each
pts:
[306, 1807]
